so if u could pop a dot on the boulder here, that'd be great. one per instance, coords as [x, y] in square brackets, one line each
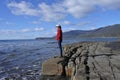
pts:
[52, 67]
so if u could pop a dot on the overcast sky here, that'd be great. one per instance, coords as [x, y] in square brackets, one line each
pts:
[28, 19]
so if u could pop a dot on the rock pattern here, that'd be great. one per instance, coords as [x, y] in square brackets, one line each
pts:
[90, 61]
[94, 60]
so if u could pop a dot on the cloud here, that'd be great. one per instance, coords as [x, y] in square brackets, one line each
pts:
[60, 10]
[66, 22]
[22, 8]
[51, 12]
[26, 33]
[39, 29]
[78, 8]
[81, 8]
[36, 22]
[6, 23]
[86, 23]
[7, 31]
[9, 23]
[27, 30]
[77, 24]
[43, 11]
[109, 4]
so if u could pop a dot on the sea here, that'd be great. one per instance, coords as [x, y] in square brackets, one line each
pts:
[22, 59]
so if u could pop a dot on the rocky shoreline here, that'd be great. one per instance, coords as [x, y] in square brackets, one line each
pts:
[85, 61]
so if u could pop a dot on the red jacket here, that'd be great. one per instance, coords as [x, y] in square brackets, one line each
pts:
[59, 34]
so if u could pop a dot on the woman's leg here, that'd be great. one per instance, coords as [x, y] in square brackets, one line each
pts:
[60, 46]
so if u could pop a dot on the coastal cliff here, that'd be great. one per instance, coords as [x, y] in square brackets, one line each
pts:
[85, 61]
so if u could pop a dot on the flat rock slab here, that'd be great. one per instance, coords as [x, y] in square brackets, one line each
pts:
[94, 60]
[85, 61]
[52, 67]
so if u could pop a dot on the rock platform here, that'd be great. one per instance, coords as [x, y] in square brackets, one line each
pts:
[85, 61]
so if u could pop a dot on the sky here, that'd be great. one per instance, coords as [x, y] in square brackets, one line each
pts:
[28, 19]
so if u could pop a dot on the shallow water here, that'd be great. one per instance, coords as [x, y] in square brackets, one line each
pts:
[22, 59]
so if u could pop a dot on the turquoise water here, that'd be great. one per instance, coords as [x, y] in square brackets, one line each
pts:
[22, 59]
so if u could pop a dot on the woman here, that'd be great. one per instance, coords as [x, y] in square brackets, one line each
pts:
[59, 38]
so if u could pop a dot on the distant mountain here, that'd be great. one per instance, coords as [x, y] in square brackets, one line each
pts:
[43, 38]
[108, 31]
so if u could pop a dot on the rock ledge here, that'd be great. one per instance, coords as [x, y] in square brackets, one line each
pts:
[85, 61]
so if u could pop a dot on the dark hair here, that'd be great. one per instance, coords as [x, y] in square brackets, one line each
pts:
[59, 27]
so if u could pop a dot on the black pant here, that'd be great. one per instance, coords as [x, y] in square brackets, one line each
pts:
[60, 46]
